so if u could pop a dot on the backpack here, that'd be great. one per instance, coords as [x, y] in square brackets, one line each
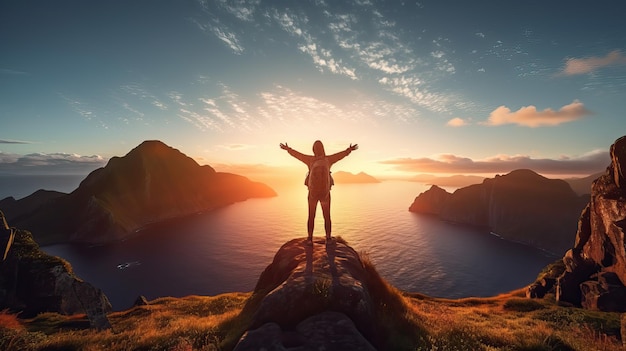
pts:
[319, 180]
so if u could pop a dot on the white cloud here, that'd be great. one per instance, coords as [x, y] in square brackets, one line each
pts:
[576, 66]
[284, 105]
[226, 110]
[323, 58]
[529, 116]
[242, 9]
[228, 37]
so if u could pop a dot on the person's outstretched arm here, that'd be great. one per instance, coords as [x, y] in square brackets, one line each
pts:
[300, 156]
[341, 154]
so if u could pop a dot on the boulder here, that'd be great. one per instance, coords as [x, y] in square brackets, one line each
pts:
[330, 331]
[32, 282]
[322, 291]
[604, 293]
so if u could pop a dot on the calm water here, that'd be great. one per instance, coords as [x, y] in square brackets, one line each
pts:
[227, 250]
[24, 185]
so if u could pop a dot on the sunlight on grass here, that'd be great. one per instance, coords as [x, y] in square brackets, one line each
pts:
[405, 322]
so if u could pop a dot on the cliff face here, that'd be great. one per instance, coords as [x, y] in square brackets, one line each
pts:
[152, 183]
[595, 268]
[32, 282]
[520, 206]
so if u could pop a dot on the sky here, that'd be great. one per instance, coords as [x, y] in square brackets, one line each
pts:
[423, 87]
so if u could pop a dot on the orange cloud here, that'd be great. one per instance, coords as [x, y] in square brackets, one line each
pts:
[529, 116]
[456, 122]
[586, 65]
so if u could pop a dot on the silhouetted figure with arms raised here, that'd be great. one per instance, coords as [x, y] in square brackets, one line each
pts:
[319, 182]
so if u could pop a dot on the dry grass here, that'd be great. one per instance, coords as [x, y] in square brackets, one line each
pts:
[405, 321]
[191, 323]
[511, 322]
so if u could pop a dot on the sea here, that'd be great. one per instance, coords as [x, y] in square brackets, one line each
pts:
[226, 250]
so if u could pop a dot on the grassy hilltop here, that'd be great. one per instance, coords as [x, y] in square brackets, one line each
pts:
[408, 321]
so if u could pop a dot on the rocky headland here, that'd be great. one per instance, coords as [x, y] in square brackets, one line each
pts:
[152, 183]
[592, 273]
[520, 206]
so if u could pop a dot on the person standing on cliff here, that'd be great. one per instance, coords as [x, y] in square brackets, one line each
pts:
[319, 182]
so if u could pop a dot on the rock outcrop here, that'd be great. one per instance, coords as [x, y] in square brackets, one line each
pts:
[595, 268]
[33, 282]
[520, 206]
[312, 298]
[152, 183]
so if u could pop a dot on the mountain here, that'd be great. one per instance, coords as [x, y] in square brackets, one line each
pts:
[593, 273]
[150, 184]
[342, 177]
[520, 206]
[583, 185]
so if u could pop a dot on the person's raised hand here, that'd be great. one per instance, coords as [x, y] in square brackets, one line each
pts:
[353, 147]
[284, 146]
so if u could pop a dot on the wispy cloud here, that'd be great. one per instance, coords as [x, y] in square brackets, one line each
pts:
[9, 141]
[138, 91]
[229, 38]
[84, 110]
[242, 9]
[323, 57]
[529, 116]
[218, 28]
[50, 163]
[577, 66]
[587, 164]
[356, 40]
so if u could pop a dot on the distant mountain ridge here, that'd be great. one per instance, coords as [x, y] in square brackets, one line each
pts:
[152, 183]
[583, 185]
[347, 177]
[520, 206]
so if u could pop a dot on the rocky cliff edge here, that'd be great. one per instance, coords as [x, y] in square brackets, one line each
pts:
[594, 270]
[319, 297]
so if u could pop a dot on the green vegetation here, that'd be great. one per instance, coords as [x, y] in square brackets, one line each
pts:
[404, 321]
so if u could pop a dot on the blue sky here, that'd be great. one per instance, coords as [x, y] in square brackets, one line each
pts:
[433, 87]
